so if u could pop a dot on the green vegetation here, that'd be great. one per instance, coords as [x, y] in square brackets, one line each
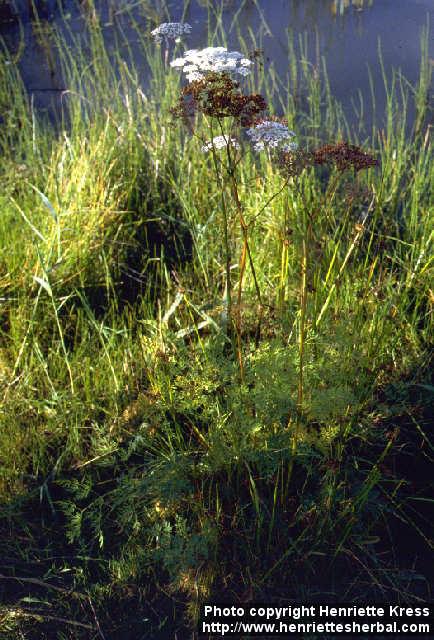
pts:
[140, 474]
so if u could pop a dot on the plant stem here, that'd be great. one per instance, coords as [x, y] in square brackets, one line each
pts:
[225, 242]
[283, 268]
[244, 252]
[307, 229]
[302, 331]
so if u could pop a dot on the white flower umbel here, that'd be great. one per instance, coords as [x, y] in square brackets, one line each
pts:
[219, 142]
[171, 31]
[196, 63]
[290, 147]
[271, 134]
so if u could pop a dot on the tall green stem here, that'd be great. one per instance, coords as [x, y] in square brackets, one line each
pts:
[243, 257]
[302, 330]
[245, 252]
[225, 241]
[307, 229]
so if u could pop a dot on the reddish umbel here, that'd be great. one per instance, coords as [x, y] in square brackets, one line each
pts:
[344, 156]
[267, 118]
[292, 164]
[219, 96]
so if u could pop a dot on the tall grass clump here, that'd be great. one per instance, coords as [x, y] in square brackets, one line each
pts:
[215, 330]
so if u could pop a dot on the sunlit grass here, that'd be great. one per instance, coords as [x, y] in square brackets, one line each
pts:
[124, 434]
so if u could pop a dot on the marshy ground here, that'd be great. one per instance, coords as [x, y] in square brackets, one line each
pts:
[155, 449]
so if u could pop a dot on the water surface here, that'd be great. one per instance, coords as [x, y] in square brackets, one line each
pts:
[345, 34]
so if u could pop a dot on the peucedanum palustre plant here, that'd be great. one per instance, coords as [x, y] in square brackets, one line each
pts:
[214, 94]
[133, 466]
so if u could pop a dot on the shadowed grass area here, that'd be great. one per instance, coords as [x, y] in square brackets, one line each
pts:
[138, 477]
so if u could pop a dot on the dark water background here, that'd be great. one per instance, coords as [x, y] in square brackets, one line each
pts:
[345, 32]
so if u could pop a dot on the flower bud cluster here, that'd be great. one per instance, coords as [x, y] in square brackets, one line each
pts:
[171, 31]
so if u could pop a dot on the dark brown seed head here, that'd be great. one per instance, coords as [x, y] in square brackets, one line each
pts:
[218, 95]
[293, 163]
[344, 156]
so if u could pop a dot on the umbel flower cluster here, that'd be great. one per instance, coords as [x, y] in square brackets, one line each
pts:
[217, 95]
[341, 155]
[171, 31]
[219, 142]
[271, 134]
[344, 156]
[197, 63]
[213, 92]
